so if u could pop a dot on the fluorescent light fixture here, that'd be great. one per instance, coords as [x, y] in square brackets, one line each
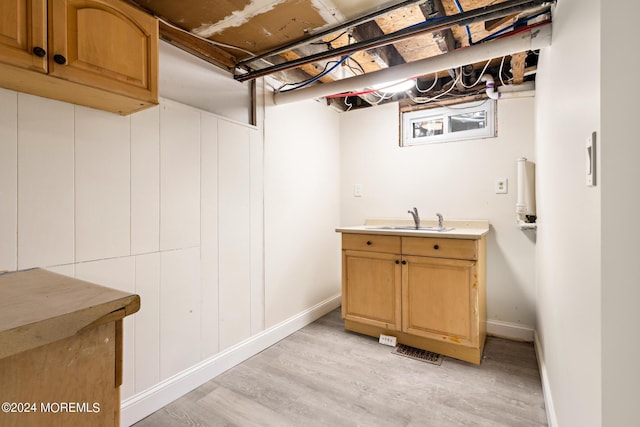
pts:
[394, 86]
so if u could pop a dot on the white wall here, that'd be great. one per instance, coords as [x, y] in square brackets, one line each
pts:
[190, 80]
[302, 207]
[620, 152]
[569, 217]
[166, 203]
[456, 179]
[170, 203]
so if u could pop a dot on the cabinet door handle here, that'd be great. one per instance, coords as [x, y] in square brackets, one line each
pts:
[404, 262]
[436, 247]
[39, 52]
[369, 242]
[59, 59]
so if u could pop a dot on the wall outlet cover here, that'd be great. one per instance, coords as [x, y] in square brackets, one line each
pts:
[502, 186]
[387, 340]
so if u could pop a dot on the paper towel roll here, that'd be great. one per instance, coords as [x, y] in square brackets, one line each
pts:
[526, 200]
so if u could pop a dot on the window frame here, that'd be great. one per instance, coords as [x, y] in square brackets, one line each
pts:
[407, 138]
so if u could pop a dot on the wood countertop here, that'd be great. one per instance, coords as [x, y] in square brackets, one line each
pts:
[38, 307]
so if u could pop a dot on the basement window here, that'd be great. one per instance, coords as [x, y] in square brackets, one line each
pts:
[445, 124]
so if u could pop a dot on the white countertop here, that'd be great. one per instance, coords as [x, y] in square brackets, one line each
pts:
[462, 229]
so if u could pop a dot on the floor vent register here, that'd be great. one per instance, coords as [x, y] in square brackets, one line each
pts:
[418, 354]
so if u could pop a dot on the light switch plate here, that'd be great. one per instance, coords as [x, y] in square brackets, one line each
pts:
[357, 190]
[502, 186]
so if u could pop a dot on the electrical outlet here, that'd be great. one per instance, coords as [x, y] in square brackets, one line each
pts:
[501, 186]
[387, 340]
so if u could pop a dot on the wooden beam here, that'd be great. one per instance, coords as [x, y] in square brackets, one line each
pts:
[444, 38]
[388, 54]
[492, 24]
[198, 47]
[517, 67]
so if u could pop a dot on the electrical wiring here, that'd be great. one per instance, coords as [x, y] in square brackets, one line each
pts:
[360, 67]
[422, 100]
[362, 92]
[318, 76]
[479, 76]
[326, 65]
[328, 43]
[435, 80]
[348, 104]
[500, 71]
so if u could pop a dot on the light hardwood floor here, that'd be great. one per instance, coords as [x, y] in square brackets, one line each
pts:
[325, 376]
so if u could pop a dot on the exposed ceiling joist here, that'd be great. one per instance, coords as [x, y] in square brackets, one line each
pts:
[465, 18]
[531, 39]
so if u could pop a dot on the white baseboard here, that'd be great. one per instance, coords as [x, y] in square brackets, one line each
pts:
[147, 402]
[512, 331]
[546, 389]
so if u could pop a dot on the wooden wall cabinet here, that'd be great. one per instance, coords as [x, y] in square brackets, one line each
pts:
[97, 53]
[428, 292]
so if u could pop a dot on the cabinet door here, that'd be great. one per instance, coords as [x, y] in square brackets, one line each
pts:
[371, 288]
[22, 29]
[104, 43]
[439, 298]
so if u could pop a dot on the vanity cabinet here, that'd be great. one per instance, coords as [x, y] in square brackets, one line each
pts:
[97, 53]
[371, 280]
[429, 292]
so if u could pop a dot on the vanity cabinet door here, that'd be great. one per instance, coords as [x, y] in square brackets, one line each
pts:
[440, 299]
[23, 34]
[371, 288]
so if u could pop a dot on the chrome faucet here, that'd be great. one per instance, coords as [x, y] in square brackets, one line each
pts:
[440, 221]
[416, 217]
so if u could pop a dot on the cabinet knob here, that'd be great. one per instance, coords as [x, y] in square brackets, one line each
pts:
[39, 52]
[59, 59]
[397, 262]
[404, 262]
[369, 242]
[436, 247]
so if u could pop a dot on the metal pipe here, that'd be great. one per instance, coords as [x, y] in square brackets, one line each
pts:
[531, 39]
[465, 18]
[352, 23]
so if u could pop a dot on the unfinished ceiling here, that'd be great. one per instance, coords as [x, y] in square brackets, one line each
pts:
[317, 43]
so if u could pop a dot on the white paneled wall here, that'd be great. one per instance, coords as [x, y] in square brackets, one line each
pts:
[8, 179]
[180, 308]
[145, 181]
[45, 182]
[103, 184]
[234, 233]
[179, 177]
[209, 235]
[151, 203]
